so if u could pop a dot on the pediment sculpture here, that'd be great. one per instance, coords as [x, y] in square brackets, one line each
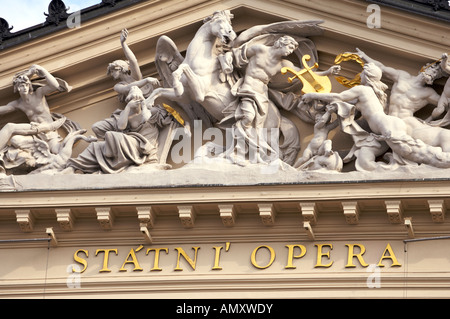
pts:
[38, 145]
[239, 85]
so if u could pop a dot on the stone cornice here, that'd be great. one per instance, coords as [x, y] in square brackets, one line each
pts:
[137, 192]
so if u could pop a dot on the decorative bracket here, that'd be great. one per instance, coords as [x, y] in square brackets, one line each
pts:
[105, 217]
[394, 210]
[146, 215]
[267, 213]
[65, 218]
[309, 212]
[228, 214]
[25, 220]
[187, 216]
[351, 212]
[437, 210]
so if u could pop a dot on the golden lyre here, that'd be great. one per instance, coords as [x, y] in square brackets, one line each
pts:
[312, 82]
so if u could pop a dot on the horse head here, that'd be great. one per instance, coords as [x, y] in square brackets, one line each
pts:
[220, 24]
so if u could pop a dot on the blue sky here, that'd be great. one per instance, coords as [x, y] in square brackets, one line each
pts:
[22, 14]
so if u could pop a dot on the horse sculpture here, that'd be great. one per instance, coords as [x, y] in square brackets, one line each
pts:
[201, 84]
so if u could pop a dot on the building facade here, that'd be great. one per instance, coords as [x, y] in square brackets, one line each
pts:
[192, 227]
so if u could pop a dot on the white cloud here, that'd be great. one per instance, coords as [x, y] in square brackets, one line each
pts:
[22, 14]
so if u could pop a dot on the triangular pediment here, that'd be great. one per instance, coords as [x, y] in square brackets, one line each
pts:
[81, 55]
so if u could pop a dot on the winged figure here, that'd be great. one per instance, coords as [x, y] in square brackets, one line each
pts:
[201, 82]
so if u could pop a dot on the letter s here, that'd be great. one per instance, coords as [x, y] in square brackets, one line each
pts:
[80, 260]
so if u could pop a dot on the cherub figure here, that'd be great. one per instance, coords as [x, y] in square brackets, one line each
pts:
[320, 144]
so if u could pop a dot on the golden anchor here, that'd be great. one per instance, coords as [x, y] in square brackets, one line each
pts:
[312, 82]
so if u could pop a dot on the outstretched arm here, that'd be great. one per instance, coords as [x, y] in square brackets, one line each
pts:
[334, 69]
[8, 108]
[345, 96]
[52, 83]
[134, 65]
[390, 72]
[125, 88]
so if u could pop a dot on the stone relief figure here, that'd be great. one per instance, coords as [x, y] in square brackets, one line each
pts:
[128, 73]
[443, 106]
[368, 98]
[444, 100]
[133, 143]
[202, 83]
[326, 162]
[237, 82]
[320, 145]
[250, 113]
[37, 143]
[411, 93]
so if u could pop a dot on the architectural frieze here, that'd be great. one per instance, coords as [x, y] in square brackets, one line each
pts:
[188, 147]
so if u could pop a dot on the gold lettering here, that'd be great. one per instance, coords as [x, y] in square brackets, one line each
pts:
[191, 262]
[391, 256]
[320, 254]
[291, 255]
[272, 257]
[105, 258]
[217, 258]
[156, 262]
[80, 260]
[133, 260]
[217, 255]
[359, 256]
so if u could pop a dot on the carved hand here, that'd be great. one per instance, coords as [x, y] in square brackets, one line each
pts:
[135, 106]
[308, 97]
[332, 108]
[152, 81]
[123, 36]
[335, 69]
[361, 54]
[35, 69]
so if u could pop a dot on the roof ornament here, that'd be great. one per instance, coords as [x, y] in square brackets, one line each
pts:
[110, 2]
[57, 12]
[4, 29]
